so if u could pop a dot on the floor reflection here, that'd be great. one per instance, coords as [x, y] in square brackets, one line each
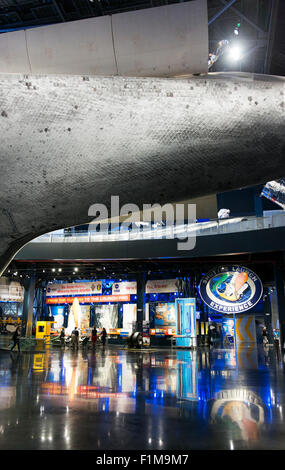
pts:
[117, 399]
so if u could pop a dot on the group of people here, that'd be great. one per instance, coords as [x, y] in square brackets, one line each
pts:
[212, 335]
[75, 337]
[94, 337]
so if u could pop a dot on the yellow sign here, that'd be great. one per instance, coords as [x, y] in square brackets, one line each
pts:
[43, 330]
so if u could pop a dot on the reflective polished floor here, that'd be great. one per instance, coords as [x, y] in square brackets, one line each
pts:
[119, 399]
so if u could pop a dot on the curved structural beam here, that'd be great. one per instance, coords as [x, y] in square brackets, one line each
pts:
[70, 141]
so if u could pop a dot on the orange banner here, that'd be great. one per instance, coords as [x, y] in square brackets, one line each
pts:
[89, 299]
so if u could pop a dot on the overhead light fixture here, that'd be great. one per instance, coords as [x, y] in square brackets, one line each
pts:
[53, 270]
[75, 269]
[235, 53]
[237, 28]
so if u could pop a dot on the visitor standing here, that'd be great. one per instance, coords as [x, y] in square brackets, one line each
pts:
[265, 336]
[75, 338]
[104, 336]
[94, 337]
[62, 338]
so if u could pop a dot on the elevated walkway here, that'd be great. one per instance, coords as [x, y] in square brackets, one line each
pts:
[217, 237]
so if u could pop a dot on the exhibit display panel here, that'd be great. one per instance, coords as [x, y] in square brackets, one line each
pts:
[84, 318]
[165, 318]
[106, 316]
[58, 315]
[146, 313]
[129, 317]
[186, 322]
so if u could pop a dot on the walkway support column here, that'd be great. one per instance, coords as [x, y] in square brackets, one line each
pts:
[28, 305]
[279, 283]
[268, 316]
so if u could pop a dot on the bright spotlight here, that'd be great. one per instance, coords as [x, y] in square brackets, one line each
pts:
[235, 53]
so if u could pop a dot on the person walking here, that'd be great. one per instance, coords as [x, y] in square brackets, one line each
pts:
[104, 336]
[210, 337]
[75, 338]
[265, 336]
[94, 337]
[62, 338]
[16, 338]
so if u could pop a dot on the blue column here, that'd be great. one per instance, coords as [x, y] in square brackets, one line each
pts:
[28, 306]
[279, 283]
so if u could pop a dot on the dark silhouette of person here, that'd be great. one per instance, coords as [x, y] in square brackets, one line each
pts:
[94, 337]
[62, 338]
[265, 336]
[104, 336]
[16, 338]
[75, 338]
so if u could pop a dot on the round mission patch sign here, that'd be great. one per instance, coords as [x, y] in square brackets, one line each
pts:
[231, 289]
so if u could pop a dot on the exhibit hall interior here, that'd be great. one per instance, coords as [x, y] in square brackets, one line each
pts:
[142, 228]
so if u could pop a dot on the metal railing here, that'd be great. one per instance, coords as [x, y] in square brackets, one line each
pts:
[26, 344]
[212, 227]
